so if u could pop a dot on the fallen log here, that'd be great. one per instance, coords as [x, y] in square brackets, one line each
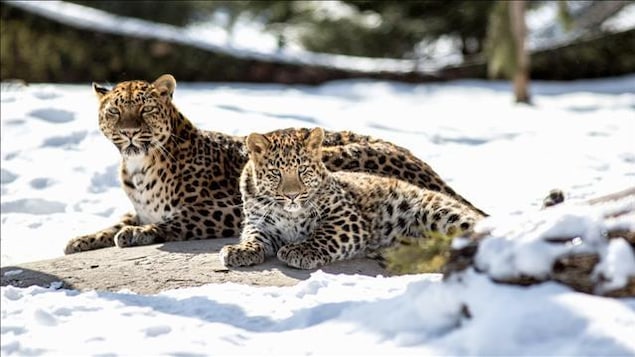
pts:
[595, 262]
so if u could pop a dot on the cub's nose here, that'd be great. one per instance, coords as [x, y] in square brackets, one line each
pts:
[129, 132]
[291, 195]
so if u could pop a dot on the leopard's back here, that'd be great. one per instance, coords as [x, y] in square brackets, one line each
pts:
[375, 156]
[396, 208]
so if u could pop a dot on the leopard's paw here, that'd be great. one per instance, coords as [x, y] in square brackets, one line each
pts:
[89, 242]
[298, 256]
[239, 255]
[130, 236]
[79, 244]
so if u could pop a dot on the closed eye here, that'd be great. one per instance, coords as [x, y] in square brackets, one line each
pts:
[113, 111]
[148, 109]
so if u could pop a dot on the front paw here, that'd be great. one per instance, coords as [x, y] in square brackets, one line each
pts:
[89, 242]
[240, 255]
[301, 257]
[79, 244]
[134, 235]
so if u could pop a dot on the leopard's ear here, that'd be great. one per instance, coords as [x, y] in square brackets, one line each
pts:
[99, 90]
[165, 85]
[257, 145]
[314, 141]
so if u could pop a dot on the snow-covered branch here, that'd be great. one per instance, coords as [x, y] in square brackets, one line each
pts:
[588, 247]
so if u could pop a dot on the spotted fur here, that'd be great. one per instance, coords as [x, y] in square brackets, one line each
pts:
[297, 209]
[183, 182]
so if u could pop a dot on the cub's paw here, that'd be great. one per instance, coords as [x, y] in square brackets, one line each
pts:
[240, 255]
[298, 256]
[130, 236]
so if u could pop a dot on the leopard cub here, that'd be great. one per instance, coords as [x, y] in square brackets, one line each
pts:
[308, 216]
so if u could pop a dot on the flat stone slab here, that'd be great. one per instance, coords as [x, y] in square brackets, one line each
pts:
[151, 269]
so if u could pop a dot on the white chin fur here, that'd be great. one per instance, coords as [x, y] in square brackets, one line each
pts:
[133, 152]
[292, 208]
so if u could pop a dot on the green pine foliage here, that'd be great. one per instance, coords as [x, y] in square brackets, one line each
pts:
[372, 28]
[414, 256]
[177, 13]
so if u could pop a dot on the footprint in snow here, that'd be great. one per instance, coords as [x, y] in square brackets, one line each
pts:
[41, 183]
[16, 330]
[33, 206]
[155, 331]
[7, 176]
[11, 155]
[53, 115]
[46, 94]
[105, 180]
[69, 140]
[13, 294]
[44, 318]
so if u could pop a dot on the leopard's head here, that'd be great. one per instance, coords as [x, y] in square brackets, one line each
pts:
[287, 166]
[136, 115]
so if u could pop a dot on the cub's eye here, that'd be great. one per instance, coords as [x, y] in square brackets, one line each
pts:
[275, 173]
[112, 111]
[303, 168]
[148, 109]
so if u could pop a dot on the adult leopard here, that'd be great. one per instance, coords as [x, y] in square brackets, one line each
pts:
[183, 181]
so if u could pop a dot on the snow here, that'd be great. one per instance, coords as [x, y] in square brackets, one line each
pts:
[622, 21]
[529, 245]
[327, 314]
[617, 265]
[59, 180]
[546, 30]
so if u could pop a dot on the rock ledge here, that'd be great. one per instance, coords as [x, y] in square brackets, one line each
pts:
[154, 268]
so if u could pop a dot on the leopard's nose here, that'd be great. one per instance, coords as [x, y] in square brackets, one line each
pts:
[129, 132]
[291, 195]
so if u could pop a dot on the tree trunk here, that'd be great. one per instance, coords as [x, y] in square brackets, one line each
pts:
[519, 31]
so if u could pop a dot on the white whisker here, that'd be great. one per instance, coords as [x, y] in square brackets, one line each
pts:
[315, 209]
[162, 149]
[267, 212]
[172, 136]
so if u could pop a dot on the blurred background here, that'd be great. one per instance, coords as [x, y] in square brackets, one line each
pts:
[315, 41]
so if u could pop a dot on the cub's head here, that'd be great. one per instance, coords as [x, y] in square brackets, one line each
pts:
[287, 166]
[136, 115]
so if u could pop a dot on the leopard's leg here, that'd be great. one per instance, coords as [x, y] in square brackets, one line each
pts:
[173, 229]
[330, 243]
[101, 239]
[440, 214]
[253, 248]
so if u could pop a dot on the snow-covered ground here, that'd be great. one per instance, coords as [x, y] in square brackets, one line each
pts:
[59, 179]
[325, 315]
[59, 174]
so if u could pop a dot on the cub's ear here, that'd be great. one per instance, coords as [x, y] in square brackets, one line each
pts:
[314, 141]
[99, 90]
[257, 145]
[165, 85]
